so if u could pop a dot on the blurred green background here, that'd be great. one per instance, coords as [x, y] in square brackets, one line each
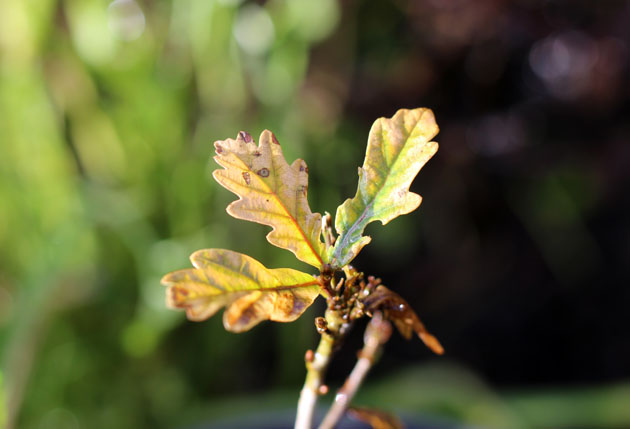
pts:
[517, 258]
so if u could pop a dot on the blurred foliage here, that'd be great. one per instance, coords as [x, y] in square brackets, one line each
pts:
[107, 114]
[3, 408]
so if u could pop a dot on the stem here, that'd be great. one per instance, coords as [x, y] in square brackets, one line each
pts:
[314, 381]
[316, 365]
[377, 333]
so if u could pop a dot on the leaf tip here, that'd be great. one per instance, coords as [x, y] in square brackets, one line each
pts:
[218, 148]
[432, 148]
[176, 294]
[300, 165]
[431, 342]
[245, 136]
[215, 173]
[165, 280]
[268, 136]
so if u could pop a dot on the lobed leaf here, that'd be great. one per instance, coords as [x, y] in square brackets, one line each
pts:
[397, 150]
[250, 292]
[396, 309]
[272, 193]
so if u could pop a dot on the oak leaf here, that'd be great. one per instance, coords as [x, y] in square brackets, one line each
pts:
[272, 193]
[250, 292]
[397, 149]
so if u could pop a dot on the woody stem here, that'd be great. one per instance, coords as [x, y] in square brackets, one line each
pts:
[377, 333]
[316, 365]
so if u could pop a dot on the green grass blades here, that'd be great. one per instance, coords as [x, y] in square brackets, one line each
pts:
[397, 150]
[250, 292]
[271, 192]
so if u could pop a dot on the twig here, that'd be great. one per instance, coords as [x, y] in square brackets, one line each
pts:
[377, 333]
[316, 365]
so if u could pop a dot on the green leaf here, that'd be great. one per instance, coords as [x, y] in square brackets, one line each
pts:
[397, 150]
[271, 192]
[250, 292]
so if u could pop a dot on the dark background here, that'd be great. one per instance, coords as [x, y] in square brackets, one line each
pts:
[517, 259]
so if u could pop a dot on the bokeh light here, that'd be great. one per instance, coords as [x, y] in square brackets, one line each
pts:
[126, 19]
[253, 29]
[565, 63]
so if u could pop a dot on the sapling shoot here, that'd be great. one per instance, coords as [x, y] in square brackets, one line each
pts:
[274, 193]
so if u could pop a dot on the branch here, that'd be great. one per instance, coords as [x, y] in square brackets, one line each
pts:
[377, 333]
[332, 329]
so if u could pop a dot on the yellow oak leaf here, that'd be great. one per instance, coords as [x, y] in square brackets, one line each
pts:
[250, 292]
[272, 193]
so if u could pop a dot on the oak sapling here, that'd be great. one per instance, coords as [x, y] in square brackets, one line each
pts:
[274, 193]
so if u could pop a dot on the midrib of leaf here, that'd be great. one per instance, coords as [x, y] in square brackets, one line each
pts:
[294, 221]
[223, 268]
[299, 228]
[359, 223]
[273, 288]
[346, 236]
[289, 287]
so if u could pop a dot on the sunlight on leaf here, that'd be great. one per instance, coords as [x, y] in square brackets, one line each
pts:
[271, 192]
[400, 312]
[250, 292]
[397, 150]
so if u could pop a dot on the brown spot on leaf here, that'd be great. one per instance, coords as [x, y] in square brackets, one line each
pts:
[257, 153]
[274, 139]
[246, 137]
[219, 148]
[285, 303]
[202, 291]
[263, 172]
[304, 189]
[178, 295]
[182, 291]
[246, 177]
